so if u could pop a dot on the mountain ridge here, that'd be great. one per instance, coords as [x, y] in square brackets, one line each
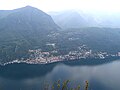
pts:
[22, 29]
[85, 19]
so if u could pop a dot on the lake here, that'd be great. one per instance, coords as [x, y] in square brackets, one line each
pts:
[104, 76]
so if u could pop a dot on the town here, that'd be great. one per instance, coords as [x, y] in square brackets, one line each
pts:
[43, 57]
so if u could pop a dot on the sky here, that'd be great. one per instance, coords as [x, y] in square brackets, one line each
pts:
[59, 5]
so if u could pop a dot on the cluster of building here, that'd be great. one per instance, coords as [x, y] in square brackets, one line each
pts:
[82, 52]
[40, 57]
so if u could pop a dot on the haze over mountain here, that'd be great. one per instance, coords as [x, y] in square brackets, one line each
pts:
[69, 19]
[78, 19]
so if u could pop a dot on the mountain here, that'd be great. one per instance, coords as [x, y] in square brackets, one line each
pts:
[97, 39]
[79, 19]
[22, 29]
[69, 19]
[29, 29]
[27, 18]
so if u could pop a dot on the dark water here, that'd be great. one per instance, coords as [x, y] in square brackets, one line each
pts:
[104, 76]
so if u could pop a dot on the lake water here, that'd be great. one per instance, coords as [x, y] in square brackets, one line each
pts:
[32, 77]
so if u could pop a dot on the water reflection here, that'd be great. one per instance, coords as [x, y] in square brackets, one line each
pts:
[101, 77]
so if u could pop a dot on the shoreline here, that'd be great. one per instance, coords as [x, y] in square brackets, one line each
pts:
[83, 60]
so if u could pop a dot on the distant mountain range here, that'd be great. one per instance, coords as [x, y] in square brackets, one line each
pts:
[69, 19]
[79, 19]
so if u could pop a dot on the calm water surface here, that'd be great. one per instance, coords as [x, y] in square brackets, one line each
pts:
[31, 77]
